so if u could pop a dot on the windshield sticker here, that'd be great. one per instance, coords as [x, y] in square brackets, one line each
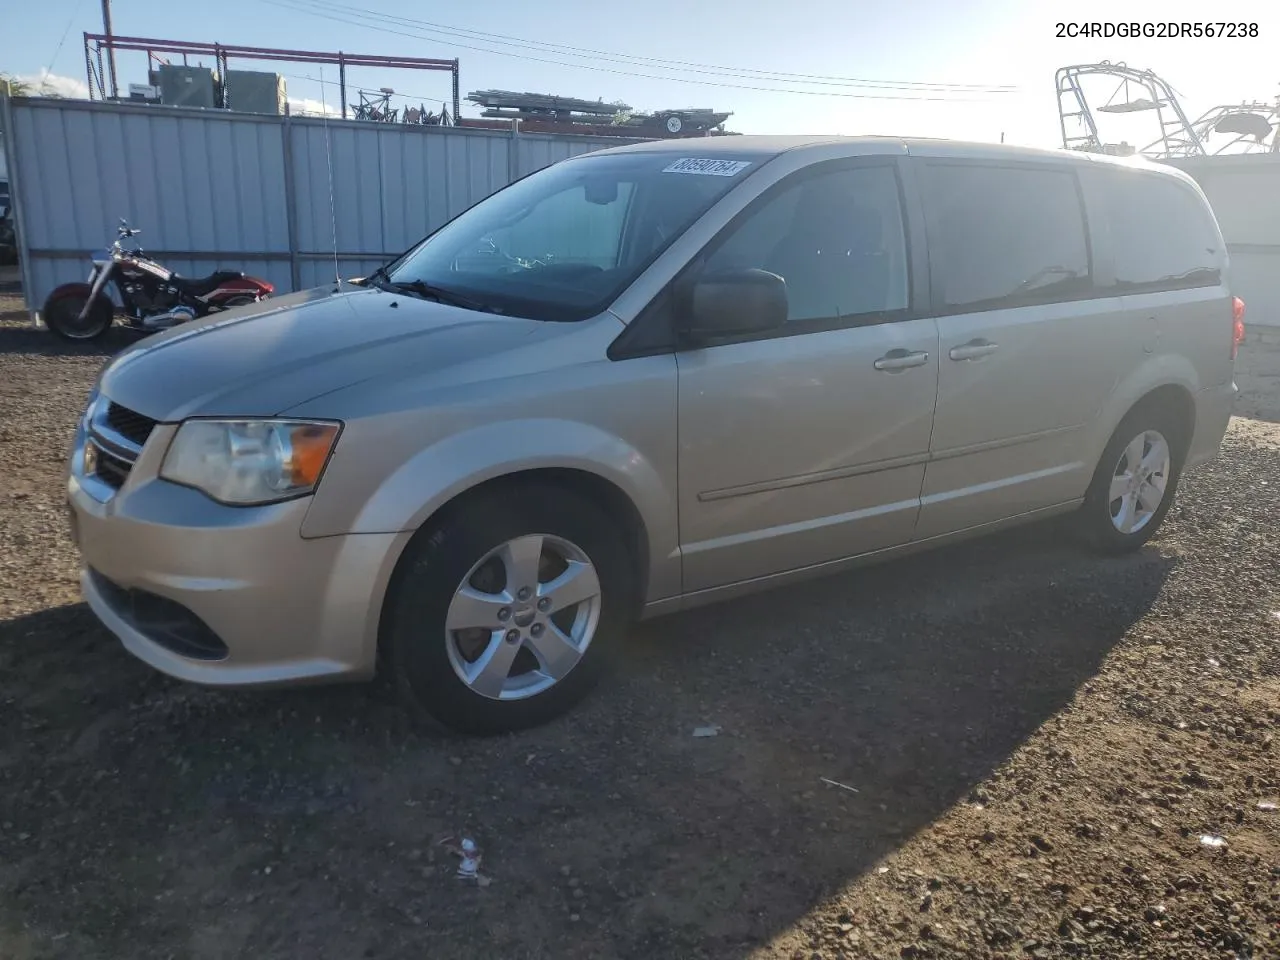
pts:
[708, 168]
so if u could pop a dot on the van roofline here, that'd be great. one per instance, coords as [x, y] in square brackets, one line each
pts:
[768, 146]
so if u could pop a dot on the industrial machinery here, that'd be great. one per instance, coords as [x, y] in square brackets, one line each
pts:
[256, 91]
[202, 87]
[376, 106]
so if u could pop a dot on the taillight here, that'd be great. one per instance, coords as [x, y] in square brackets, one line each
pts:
[1237, 325]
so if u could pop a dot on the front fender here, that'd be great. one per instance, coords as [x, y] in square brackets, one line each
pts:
[77, 288]
[430, 478]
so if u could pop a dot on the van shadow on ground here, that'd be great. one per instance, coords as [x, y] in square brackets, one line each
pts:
[145, 817]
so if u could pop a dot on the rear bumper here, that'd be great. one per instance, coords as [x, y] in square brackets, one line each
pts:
[1214, 406]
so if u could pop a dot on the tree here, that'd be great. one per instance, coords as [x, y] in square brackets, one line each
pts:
[14, 87]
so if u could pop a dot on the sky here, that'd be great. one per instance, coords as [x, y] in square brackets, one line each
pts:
[742, 57]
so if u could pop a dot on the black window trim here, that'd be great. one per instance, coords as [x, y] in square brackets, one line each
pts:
[1031, 299]
[644, 336]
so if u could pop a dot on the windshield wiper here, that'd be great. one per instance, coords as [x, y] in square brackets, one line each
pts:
[440, 295]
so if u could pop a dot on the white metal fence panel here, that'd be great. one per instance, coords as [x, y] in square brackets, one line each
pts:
[538, 150]
[207, 190]
[391, 186]
[1244, 192]
[267, 195]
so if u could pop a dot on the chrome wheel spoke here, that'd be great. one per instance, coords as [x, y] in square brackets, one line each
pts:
[556, 653]
[1159, 481]
[520, 559]
[1157, 457]
[1119, 487]
[1149, 498]
[472, 608]
[577, 584]
[488, 674]
[1133, 453]
[1125, 519]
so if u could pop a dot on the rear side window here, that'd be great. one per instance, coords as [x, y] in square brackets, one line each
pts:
[1162, 236]
[1005, 236]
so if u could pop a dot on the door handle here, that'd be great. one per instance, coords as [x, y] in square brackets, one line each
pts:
[973, 350]
[900, 359]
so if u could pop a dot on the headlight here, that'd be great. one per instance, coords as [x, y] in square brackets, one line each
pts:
[246, 462]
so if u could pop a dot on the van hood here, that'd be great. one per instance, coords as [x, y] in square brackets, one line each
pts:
[261, 359]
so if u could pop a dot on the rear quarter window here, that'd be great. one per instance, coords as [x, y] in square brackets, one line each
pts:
[1162, 235]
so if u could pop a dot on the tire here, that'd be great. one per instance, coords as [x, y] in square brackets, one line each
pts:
[1103, 514]
[427, 659]
[62, 309]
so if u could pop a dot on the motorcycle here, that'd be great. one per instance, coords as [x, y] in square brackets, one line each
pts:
[153, 297]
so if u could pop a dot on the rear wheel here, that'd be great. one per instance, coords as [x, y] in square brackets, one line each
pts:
[61, 314]
[1135, 482]
[506, 612]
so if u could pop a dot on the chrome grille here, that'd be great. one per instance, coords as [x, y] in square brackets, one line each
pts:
[110, 469]
[117, 435]
[132, 426]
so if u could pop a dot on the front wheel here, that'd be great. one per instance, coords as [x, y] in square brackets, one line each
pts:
[61, 314]
[1135, 482]
[505, 612]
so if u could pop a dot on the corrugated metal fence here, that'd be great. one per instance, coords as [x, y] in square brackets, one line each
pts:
[1244, 192]
[217, 190]
[214, 190]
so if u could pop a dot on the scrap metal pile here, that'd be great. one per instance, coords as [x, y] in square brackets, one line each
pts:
[540, 113]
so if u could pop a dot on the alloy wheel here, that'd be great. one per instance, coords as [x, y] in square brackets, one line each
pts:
[1139, 481]
[523, 617]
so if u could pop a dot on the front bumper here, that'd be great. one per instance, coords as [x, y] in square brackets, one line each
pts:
[265, 605]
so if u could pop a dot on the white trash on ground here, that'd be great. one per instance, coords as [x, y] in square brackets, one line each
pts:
[469, 857]
[836, 783]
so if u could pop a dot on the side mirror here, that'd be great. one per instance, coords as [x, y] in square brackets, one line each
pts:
[735, 304]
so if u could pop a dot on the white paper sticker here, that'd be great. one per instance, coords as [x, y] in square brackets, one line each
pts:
[708, 168]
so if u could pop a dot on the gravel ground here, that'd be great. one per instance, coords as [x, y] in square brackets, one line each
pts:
[1038, 741]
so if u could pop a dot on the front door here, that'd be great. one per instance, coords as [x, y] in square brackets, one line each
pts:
[809, 445]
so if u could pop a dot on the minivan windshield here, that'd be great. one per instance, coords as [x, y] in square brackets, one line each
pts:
[563, 243]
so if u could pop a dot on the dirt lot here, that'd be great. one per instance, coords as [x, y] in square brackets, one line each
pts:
[1038, 740]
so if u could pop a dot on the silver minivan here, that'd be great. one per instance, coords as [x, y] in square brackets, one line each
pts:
[644, 379]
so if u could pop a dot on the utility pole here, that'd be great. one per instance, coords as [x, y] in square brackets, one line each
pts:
[111, 50]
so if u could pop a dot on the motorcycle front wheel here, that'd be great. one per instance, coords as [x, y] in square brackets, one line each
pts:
[61, 315]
